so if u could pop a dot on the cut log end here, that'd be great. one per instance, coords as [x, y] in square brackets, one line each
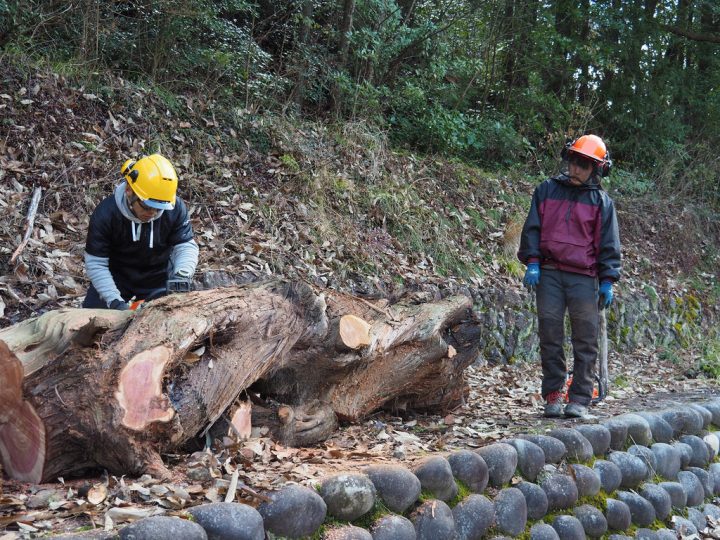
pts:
[285, 415]
[22, 445]
[22, 432]
[140, 390]
[354, 332]
[242, 420]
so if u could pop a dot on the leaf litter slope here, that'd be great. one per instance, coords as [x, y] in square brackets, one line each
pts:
[331, 204]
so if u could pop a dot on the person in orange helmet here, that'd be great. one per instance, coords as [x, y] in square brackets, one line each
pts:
[140, 240]
[570, 243]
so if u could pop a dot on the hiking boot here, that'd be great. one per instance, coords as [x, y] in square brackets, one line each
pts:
[553, 405]
[576, 410]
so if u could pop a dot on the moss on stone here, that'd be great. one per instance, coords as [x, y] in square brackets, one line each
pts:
[682, 512]
[657, 525]
[376, 512]
[599, 501]
[550, 516]
[425, 496]
[462, 493]
[525, 535]
[328, 524]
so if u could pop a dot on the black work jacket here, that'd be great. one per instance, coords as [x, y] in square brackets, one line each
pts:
[135, 265]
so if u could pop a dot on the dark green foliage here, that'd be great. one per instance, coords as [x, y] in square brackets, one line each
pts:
[492, 81]
[488, 138]
[204, 45]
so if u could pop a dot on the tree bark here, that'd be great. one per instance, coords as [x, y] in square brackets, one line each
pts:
[98, 388]
[560, 66]
[298, 93]
[348, 10]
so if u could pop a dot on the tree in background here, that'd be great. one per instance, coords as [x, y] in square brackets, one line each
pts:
[485, 80]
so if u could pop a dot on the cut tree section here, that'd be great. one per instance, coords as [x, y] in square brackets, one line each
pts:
[116, 392]
[354, 332]
[22, 433]
[140, 390]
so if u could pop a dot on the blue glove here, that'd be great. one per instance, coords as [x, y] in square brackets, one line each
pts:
[606, 294]
[532, 276]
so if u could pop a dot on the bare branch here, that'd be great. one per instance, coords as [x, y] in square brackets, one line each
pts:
[30, 223]
[694, 36]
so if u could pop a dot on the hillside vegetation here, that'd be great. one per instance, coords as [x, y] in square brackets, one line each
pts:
[495, 82]
[371, 146]
[269, 195]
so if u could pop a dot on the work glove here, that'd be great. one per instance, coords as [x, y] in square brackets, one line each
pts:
[119, 304]
[532, 276]
[606, 294]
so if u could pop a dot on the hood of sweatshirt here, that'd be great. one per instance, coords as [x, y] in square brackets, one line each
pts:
[563, 178]
[135, 224]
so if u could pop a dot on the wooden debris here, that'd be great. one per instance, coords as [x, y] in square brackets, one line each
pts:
[34, 202]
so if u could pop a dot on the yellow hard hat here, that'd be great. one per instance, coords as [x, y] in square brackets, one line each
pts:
[153, 179]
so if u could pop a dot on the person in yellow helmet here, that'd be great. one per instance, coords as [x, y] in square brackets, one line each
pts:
[140, 238]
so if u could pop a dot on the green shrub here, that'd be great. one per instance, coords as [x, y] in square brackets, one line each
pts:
[487, 138]
[710, 359]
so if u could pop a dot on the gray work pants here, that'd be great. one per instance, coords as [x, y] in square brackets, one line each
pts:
[557, 292]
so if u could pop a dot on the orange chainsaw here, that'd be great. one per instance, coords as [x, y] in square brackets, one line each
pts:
[172, 286]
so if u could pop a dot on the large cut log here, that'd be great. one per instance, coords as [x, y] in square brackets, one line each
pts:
[97, 388]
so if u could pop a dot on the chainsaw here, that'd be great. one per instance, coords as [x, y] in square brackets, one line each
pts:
[175, 285]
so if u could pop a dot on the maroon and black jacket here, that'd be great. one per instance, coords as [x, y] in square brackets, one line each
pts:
[572, 228]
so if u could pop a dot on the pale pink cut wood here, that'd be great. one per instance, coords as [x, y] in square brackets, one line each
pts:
[22, 433]
[242, 420]
[140, 390]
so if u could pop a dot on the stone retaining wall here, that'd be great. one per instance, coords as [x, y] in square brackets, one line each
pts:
[640, 318]
[649, 475]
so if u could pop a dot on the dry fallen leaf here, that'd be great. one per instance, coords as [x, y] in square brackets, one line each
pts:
[97, 494]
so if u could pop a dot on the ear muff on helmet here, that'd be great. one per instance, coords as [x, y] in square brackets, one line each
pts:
[127, 172]
[564, 151]
[604, 167]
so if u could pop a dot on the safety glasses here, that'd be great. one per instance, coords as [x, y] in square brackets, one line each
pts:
[144, 206]
[581, 161]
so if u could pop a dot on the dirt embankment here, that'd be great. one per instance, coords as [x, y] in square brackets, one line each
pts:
[330, 204]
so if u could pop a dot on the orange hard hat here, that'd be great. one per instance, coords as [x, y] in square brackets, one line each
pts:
[590, 146]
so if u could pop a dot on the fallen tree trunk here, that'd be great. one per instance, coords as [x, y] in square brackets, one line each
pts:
[97, 388]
